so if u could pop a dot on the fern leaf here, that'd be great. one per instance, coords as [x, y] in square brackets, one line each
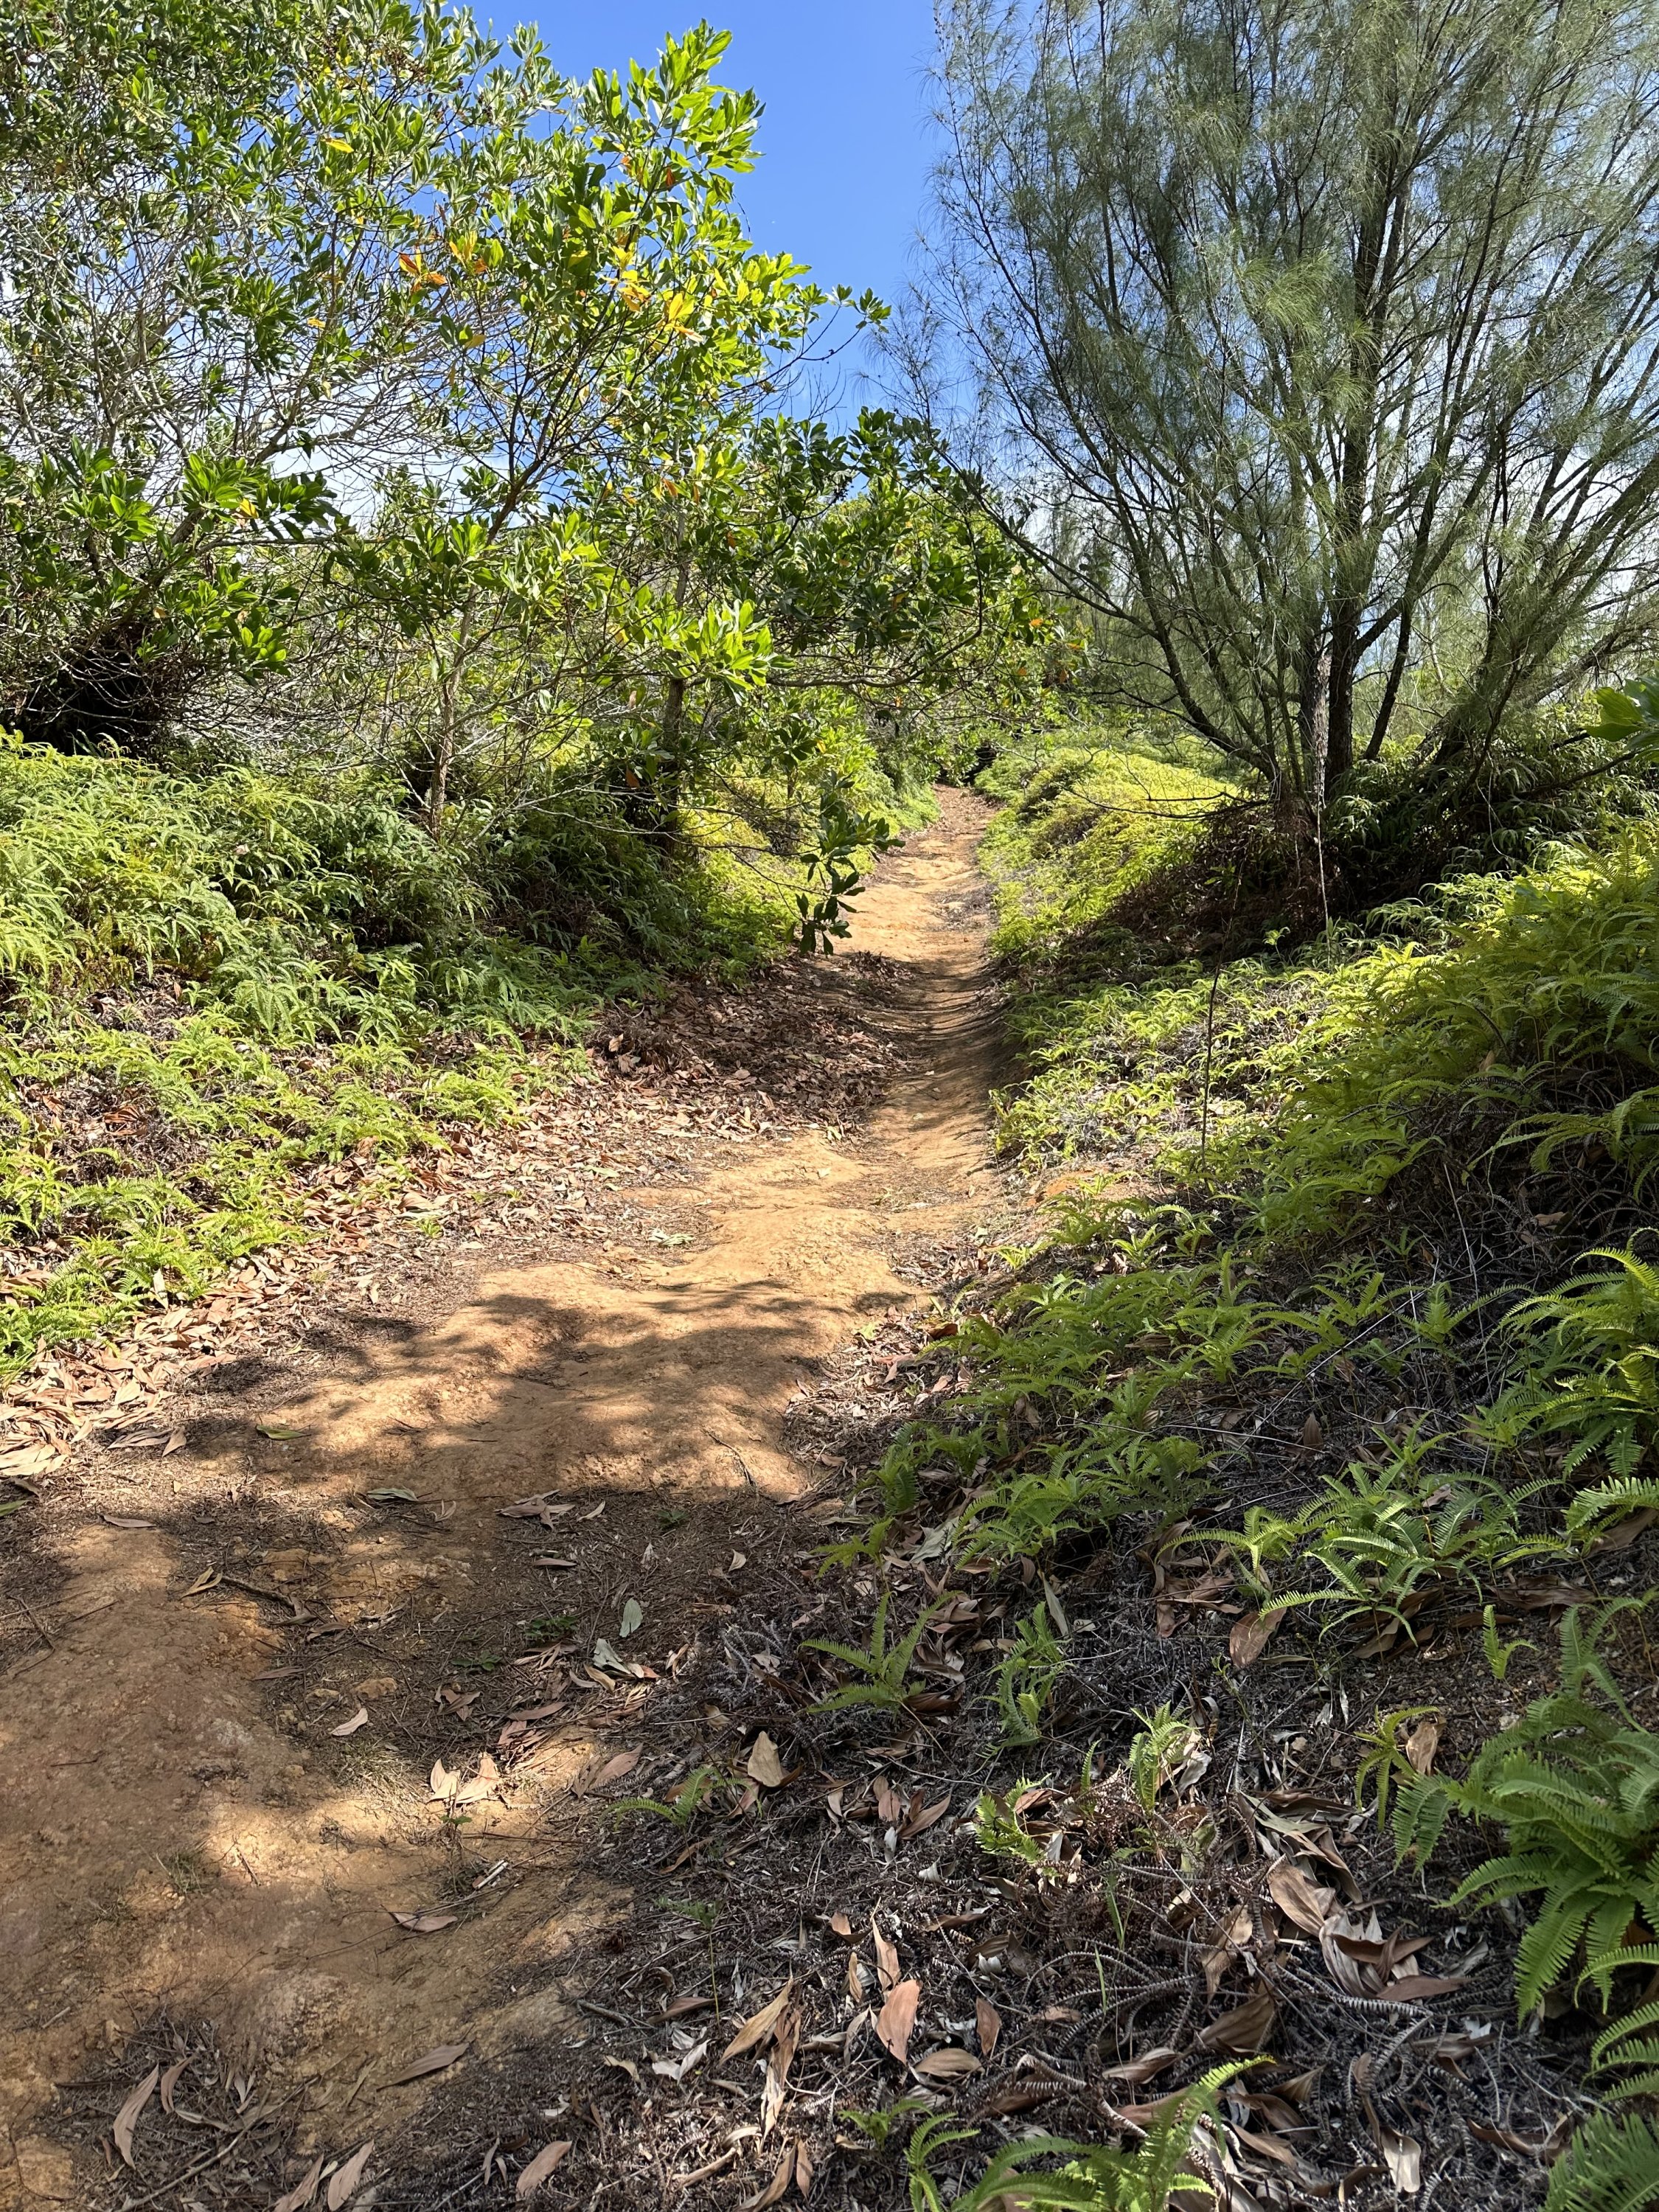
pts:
[1545, 1948]
[1611, 2165]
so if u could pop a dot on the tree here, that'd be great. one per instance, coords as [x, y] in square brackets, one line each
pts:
[1328, 333]
[206, 321]
[597, 293]
[310, 294]
[855, 568]
[348, 352]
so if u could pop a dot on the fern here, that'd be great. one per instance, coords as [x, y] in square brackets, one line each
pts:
[1594, 1509]
[1611, 2165]
[885, 1668]
[1385, 1762]
[1576, 1788]
[1629, 2048]
[1026, 1678]
[1592, 1363]
[1104, 2179]
[1157, 1752]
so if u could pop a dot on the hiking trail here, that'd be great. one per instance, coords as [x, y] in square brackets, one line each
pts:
[218, 1796]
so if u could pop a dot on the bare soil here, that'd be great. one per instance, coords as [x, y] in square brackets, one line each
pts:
[299, 1670]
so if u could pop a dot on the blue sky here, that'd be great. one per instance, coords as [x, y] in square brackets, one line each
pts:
[845, 138]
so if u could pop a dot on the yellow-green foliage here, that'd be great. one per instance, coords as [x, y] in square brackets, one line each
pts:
[1312, 1123]
[207, 985]
[1085, 820]
[1538, 1011]
[1531, 1003]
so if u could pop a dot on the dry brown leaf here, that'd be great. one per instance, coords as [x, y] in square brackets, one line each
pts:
[764, 1765]
[29, 1459]
[343, 2184]
[170, 2082]
[359, 1719]
[1245, 2029]
[127, 2118]
[1348, 1948]
[304, 2190]
[1312, 1435]
[1299, 2087]
[444, 1781]
[988, 2023]
[482, 1784]
[776, 2189]
[614, 1769]
[1544, 2144]
[896, 2019]
[841, 1926]
[1250, 1635]
[804, 2176]
[1268, 2106]
[1402, 2155]
[950, 2063]
[1300, 1899]
[756, 2029]
[1232, 1945]
[424, 1923]
[925, 1818]
[1414, 1988]
[1134, 2071]
[1623, 1532]
[539, 2169]
[434, 2062]
[887, 1957]
[1268, 2146]
[1422, 1744]
[785, 2036]
[126, 1520]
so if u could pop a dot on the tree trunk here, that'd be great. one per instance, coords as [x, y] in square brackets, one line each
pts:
[437, 797]
[1313, 719]
[668, 783]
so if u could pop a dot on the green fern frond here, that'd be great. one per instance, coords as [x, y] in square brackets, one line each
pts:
[1611, 2165]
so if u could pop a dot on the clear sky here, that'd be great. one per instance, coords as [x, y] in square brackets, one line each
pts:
[845, 140]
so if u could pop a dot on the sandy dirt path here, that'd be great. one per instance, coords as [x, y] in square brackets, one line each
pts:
[193, 1829]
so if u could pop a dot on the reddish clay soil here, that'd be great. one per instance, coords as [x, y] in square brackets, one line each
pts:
[303, 1673]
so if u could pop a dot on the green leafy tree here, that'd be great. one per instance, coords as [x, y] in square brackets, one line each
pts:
[207, 318]
[595, 292]
[788, 599]
[1328, 330]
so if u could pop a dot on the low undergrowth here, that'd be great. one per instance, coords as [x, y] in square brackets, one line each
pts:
[1268, 1538]
[214, 986]
[1364, 1360]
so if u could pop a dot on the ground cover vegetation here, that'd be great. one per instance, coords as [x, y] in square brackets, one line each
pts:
[421, 616]
[1263, 1543]
[1244, 1601]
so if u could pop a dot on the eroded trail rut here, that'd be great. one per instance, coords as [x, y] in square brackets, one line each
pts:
[197, 1826]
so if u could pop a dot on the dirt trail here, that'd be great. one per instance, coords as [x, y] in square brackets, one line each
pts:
[181, 1837]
